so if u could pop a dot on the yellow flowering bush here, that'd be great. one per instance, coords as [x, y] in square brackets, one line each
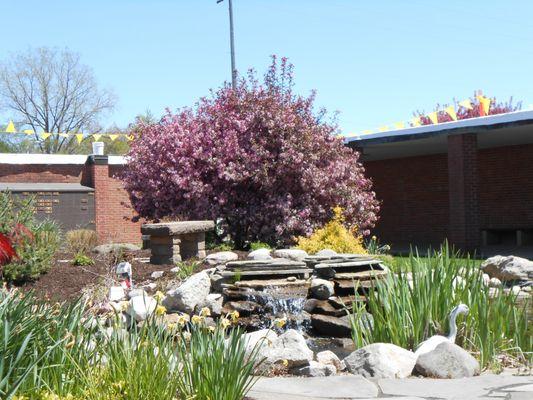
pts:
[335, 236]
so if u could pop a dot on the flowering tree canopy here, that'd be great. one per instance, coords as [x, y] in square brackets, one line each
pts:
[258, 158]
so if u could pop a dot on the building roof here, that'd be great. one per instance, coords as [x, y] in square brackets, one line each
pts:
[44, 187]
[494, 130]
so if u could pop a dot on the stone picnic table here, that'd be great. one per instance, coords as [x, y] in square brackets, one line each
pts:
[172, 242]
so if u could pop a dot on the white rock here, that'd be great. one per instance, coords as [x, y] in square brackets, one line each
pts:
[289, 347]
[290, 254]
[149, 287]
[221, 257]
[157, 274]
[516, 289]
[326, 253]
[328, 357]
[190, 293]
[381, 360]
[175, 270]
[116, 293]
[136, 292]
[321, 289]
[259, 342]
[315, 369]
[141, 307]
[495, 283]
[447, 361]
[214, 302]
[486, 279]
[260, 254]
[509, 268]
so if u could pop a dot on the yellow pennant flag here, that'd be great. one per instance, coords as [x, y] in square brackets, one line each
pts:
[45, 135]
[415, 121]
[97, 137]
[485, 103]
[113, 137]
[130, 137]
[79, 137]
[451, 112]
[466, 104]
[10, 127]
[29, 131]
[383, 128]
[434, 117]
[367, 132]
[399, 125]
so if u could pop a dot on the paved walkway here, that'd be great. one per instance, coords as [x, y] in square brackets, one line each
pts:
[347, 387]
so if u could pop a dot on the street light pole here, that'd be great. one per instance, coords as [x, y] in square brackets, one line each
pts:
[232, 45]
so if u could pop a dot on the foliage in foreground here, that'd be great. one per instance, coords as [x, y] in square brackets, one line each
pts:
[407, 313]
[335, 236]
[35, 242]
[258, 157]
[59, 352]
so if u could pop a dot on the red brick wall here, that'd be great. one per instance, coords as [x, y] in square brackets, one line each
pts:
[414, 196]
[35, 173]
[112, 206]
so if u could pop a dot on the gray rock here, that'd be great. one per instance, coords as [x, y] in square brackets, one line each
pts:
[191, 292]
[175, 270]
[221, 257]
[327, 357]
[149, 287]
[326, 253]
[291, 254]
[213, 301]
[447, 361]
[321, 289]
[381, 360]
[314, 369]
[260, 254]
[328, 325]
[259, 340]
[115, 248]
[290, 347]
[141, 307]
[243, 307]
[177, 228]
[509, 268]
[136, 292]
[116, 293]
[495, 283]
[157, 274]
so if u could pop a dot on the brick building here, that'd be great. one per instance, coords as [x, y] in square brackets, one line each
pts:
[76, 190]
[470, 181]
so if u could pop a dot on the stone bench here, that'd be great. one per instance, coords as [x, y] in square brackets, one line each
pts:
[172, 242]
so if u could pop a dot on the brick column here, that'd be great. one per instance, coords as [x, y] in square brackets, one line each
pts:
[99, 180]
[463, 231]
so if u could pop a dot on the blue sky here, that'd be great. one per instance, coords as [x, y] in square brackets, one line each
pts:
[373, 61]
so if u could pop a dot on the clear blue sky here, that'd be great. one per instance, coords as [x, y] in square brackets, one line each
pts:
[373, 61]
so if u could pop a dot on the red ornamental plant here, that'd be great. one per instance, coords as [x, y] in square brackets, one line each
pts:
[476, 110]
[7, 252]
[258, 157]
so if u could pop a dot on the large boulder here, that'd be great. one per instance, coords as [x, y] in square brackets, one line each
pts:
[141, 307]
[327, 357]
[213, 302]
[289, 348]
[190, 293]
[447, 360]
[381, 360]
[221, 257]
[260, 254]
[115, 248]
[328, 325]
[321, 289]
[508, 268]
[291, 254]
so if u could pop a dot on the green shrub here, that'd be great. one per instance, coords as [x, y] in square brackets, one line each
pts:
[187, 268]
[82, 260]
[408, 312]
[259, 245]
[34, 254]
[81, 241]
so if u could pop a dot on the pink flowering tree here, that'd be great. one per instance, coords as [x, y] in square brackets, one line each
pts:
[258, 158]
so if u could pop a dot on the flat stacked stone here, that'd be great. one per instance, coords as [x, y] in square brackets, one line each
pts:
[172, 242]
[261, 269]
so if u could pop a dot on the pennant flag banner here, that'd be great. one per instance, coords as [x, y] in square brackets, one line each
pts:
[11, 127]
[484, 107]
[113, 137]
[29, 131]
[79, 137]
[45, 135]
[96, 137]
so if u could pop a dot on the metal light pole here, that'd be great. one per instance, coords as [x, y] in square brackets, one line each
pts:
[232, 45]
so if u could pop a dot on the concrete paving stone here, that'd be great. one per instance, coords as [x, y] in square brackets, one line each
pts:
[465, 388]
[521, 388]
[520, 396]
[332, 387]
